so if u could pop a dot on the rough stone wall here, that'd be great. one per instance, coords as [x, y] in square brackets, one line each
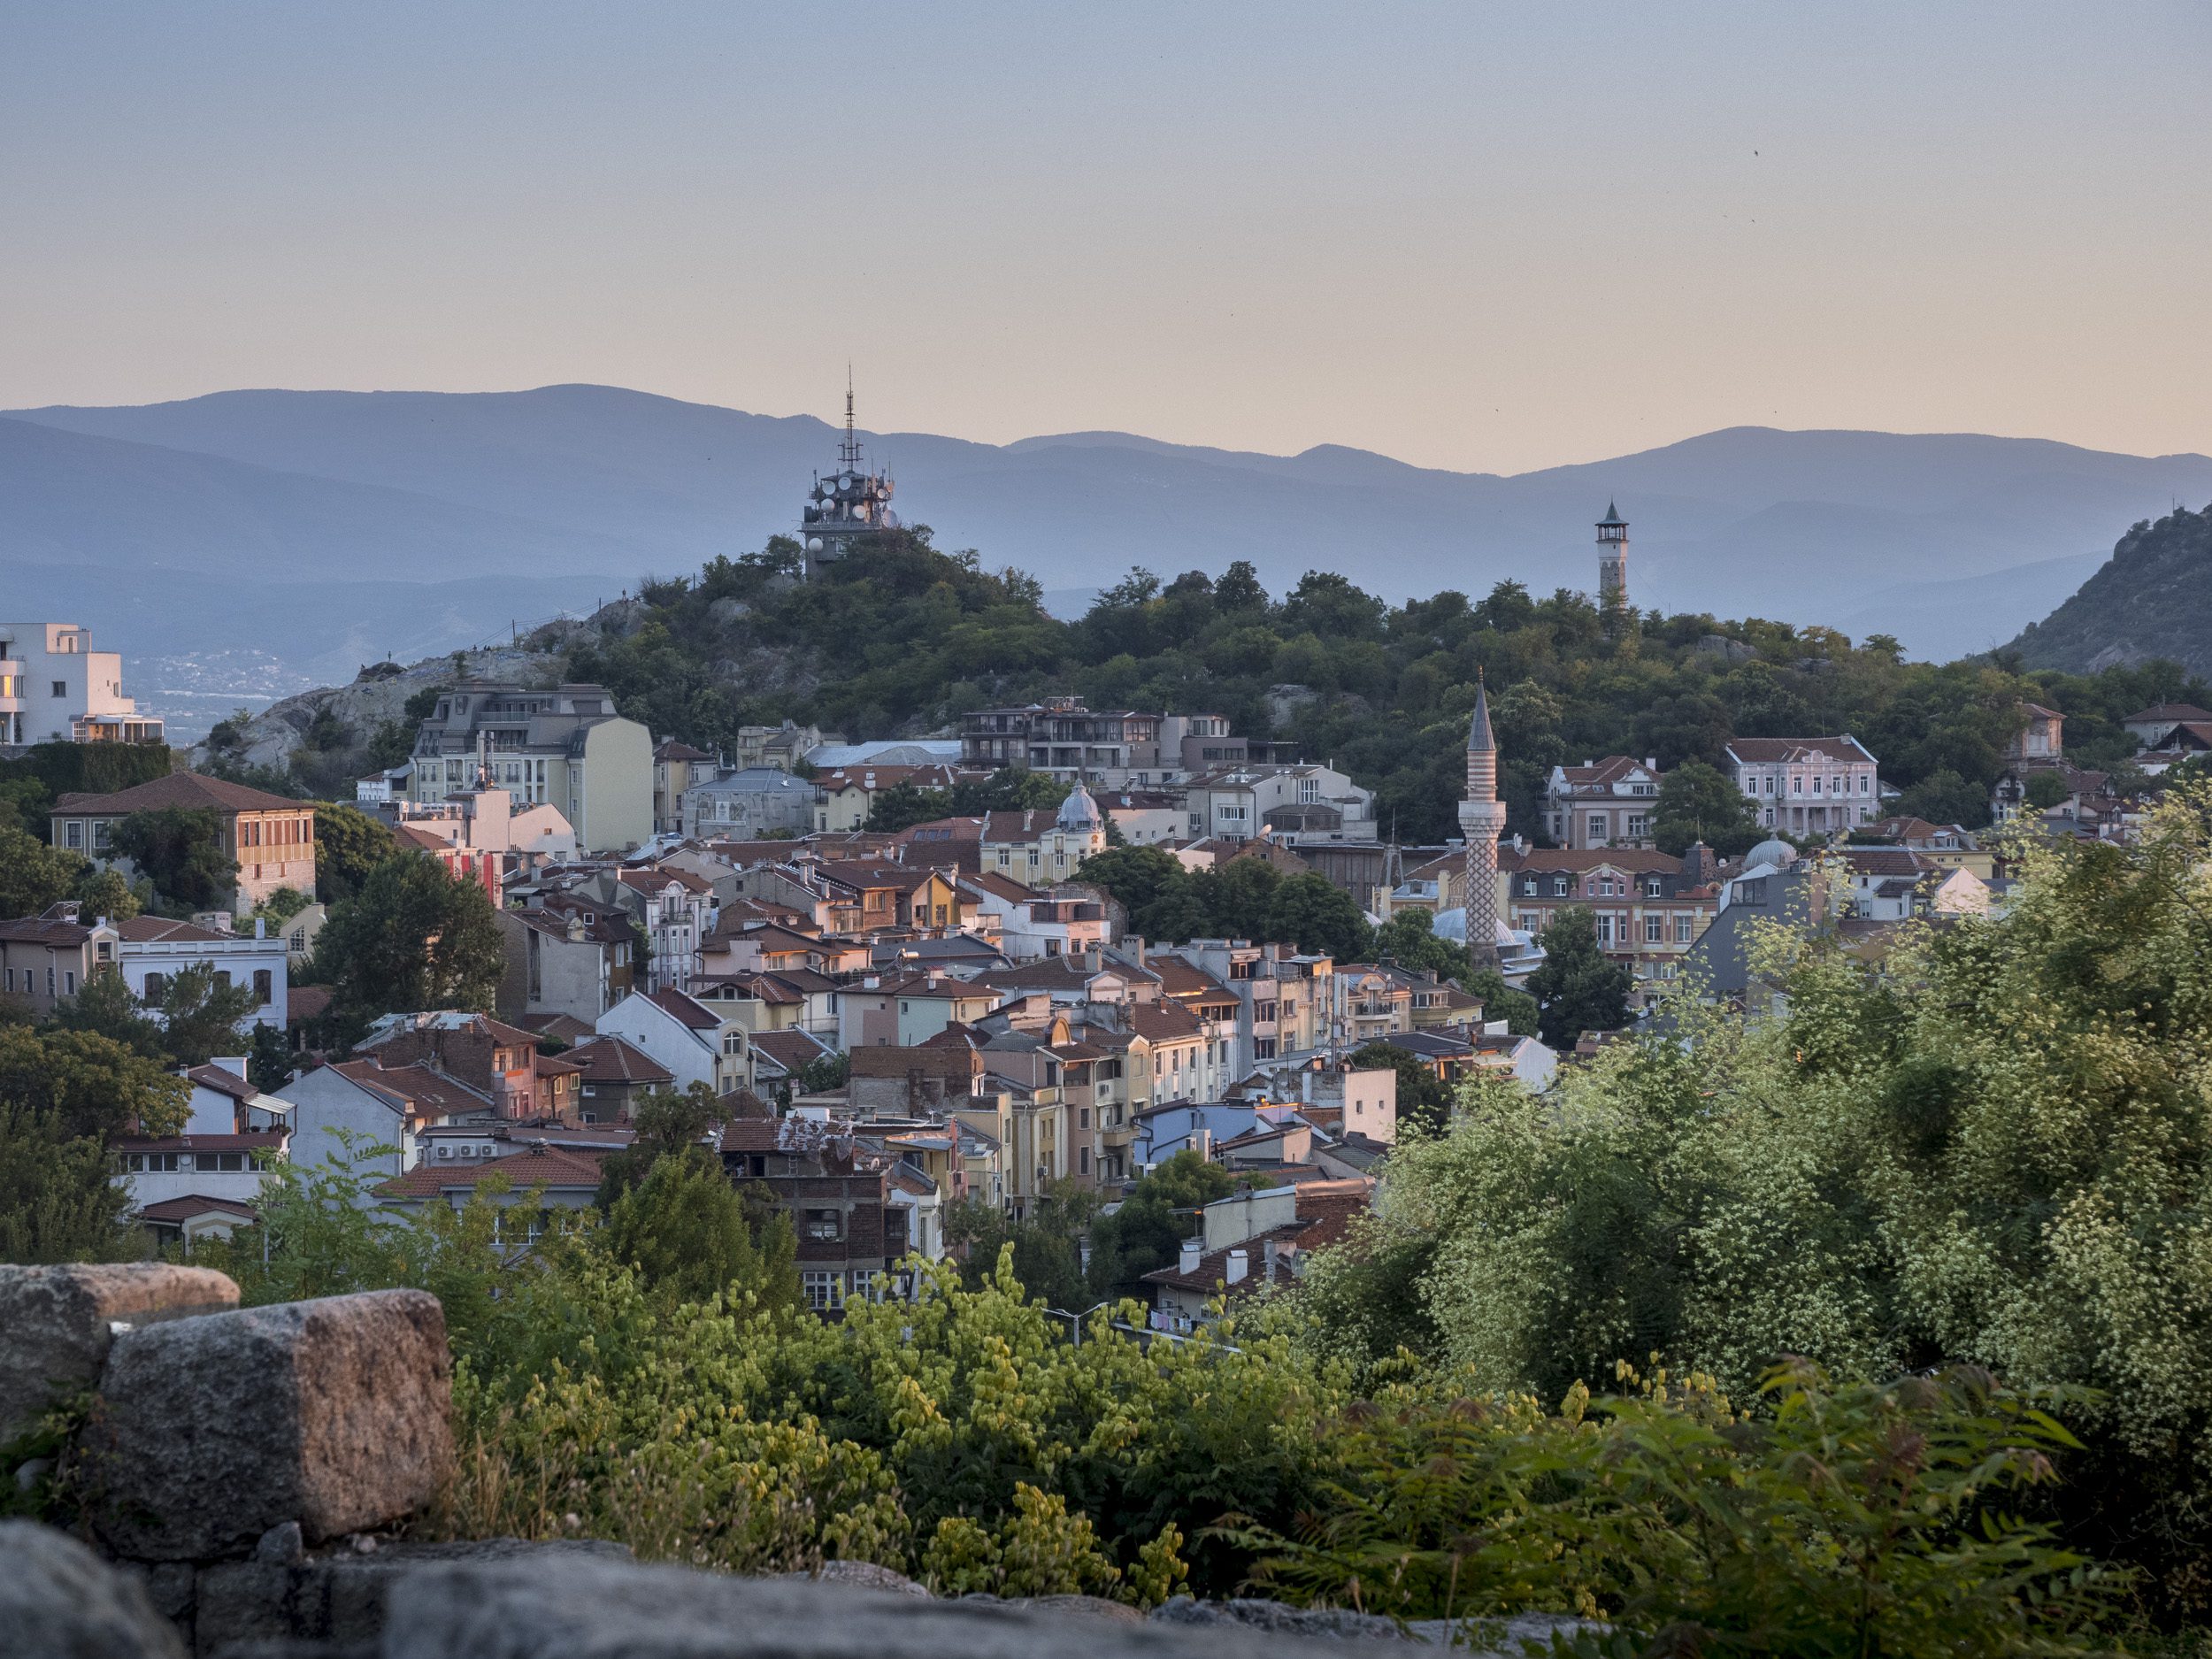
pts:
[239, 1475]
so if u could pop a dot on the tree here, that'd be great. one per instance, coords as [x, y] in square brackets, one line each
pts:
[1319, 916]
[1153, 889]
[1698, 803]
[1576, 987]
[1425, 1101]
[1410, 940]
[1500, 1001]
[179, 849]
[348, 845]
[2045, 790]
[107, 1006]
[1236, 894]
[1944, 797]
[58, 1200]
[903, 805]
[201, 1012]
[412, 939]
[1147, 1231]
[1048, 1256]
[269, 1064]
[106, 896]
[34, 875]
[666, 1122]
[684, 1229]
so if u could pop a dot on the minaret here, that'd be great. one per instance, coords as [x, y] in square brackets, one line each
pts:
[1481, 818]
[1612, 560]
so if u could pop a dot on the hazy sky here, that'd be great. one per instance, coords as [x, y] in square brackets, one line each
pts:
[1483, 237]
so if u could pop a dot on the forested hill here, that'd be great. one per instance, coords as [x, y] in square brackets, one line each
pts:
[2149, 602]
[901, 638]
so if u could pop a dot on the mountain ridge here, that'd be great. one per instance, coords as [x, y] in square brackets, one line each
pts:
[602, 484]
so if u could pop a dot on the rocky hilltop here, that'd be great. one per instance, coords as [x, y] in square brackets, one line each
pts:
[2148, 602]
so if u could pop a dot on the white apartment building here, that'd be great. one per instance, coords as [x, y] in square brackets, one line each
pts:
[1609, 802]
[1293, 802]
[56, 689]
[1807, 784]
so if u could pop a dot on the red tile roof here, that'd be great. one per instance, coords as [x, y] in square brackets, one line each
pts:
[192, 1205]
[142, 929]
[567, 1167]
[611, 1060]
[178, 789]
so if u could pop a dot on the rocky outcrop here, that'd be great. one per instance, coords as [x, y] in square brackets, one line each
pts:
[59, 1600]
[57, 1324]
[208, 1431]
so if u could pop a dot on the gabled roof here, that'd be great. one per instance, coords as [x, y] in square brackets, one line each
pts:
[687, 1009]
[146, 930]
[1577, 860]
[2161, 712]
[40, 930]
[251, 1141]
[566, 1168]
[556, 1027]
[189, 789]
[1760, 751]
[611, 1060]
[223, 1081]
[792, 1050]
[669, 748]
[192, 1206]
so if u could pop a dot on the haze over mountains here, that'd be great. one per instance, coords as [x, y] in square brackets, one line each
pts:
[447, 517]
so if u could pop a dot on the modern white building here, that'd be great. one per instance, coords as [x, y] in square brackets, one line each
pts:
[56, 689]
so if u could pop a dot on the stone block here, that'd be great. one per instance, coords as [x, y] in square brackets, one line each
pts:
[208, 1431]
[519, 1611]
[56, 1323]
[58, 1598]
[341, 1598]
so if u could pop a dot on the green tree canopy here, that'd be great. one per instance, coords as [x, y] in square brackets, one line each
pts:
[1148, 1229]
[413, 938]
[1698, 803]
[179, 849]
[34, 875]
[1314, 914]
[1575, 988]
[348, 844]
[685, 1230]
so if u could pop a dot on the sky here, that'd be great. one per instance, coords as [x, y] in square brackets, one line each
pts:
[1490, 238]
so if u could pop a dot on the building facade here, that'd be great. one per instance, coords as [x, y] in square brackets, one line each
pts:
[1609, 803]
[566, 747]
[1807, 786]
[56, 689]
[270, 837]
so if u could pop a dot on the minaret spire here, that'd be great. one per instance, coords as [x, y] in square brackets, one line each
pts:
[1481, 819]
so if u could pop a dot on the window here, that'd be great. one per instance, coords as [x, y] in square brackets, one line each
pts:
[1263, 1047]
[69, 982]
[1636, 826]
[1083, 1118]
[733, 1041]
[1559, 886]
[825, 1288]
[100, 828]
[72, 833]
[264, 985]
[822, 1224]
[1652, 885]
[1655, 930]
[1865, 783]
[61, 687]
[222, 978]
[155, 984]
[1084, 1157]
[1682, 926]
[1605, 927]
[1597, 826]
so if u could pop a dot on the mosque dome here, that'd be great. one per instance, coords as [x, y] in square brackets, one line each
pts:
[1079, 813]
[1774, 853]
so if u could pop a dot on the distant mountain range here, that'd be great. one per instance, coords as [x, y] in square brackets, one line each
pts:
[449, 516]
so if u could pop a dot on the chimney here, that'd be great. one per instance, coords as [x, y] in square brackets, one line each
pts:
[1186, 1261]
[1240, 1264]
[1267, 1260]
[1651, 765]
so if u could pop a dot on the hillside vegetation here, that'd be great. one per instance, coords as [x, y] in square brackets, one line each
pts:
[2148, 602]
[901, 638]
